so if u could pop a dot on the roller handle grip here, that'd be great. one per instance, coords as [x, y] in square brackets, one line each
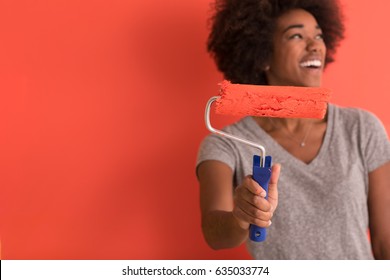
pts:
[262, 176]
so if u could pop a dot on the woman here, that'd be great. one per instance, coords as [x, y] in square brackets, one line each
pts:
[336, 172]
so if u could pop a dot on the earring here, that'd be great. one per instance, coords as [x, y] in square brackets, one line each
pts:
[267, 68]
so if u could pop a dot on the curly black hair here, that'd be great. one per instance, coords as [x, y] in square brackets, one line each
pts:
[240, 40]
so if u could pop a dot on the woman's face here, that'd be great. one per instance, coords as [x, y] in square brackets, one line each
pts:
[299, 51]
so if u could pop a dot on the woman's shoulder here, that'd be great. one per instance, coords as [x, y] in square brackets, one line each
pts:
[241, 126]
[354, 115]
[238, 128]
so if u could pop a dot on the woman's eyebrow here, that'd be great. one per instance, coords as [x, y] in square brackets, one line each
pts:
[297, 26]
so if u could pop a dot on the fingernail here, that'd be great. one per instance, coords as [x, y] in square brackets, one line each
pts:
[263, 194]
[270, 222]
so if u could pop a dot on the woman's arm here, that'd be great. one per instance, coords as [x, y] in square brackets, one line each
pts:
[227, 213]
[379, 211]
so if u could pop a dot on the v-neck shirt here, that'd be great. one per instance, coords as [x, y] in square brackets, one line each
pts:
[322, 211]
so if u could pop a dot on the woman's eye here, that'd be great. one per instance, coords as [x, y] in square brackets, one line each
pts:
[296, 36]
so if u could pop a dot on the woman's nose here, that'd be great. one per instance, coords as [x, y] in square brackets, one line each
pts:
[313, 45]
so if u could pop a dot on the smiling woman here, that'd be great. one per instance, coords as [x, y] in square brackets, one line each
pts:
[299, 51]
[101, 106]
[241, 29]
[334, 182]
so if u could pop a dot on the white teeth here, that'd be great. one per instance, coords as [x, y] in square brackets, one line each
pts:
[309, 63]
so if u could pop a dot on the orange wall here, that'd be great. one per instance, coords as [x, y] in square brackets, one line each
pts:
[101, 115]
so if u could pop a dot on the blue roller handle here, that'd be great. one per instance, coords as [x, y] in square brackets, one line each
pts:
[262, 176]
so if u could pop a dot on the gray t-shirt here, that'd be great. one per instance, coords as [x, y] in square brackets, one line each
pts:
[322, 211]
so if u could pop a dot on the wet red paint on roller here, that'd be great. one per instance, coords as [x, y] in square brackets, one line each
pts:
[272, 101]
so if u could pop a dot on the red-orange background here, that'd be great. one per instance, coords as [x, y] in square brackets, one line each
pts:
[101, 115]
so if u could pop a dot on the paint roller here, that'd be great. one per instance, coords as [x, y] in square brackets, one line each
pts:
[265, 101]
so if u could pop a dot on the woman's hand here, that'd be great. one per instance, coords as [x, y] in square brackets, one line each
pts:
[250, 205]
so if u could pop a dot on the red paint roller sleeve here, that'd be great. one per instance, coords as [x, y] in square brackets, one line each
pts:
[272, 101]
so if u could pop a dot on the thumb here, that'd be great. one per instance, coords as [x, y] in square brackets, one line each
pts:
[273, 184]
